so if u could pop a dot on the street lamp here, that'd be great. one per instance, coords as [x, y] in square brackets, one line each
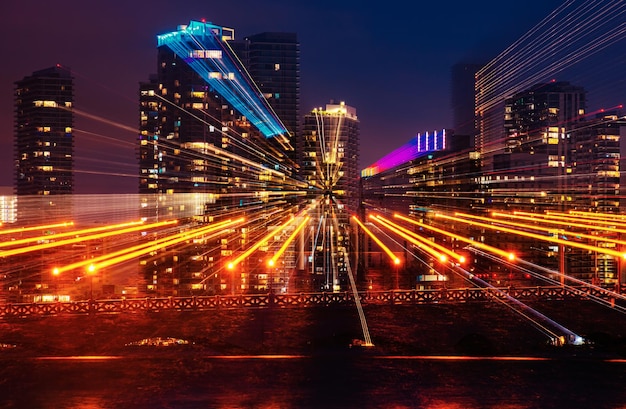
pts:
[91, 270]
[55, 275]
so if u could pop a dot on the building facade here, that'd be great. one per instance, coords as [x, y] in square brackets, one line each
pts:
[273, 61]
[44, 144]
[210, 148]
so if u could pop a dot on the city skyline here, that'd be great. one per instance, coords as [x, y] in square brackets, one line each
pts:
[330, 70]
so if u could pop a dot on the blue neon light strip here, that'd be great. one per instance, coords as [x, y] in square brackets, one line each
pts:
[201, 46]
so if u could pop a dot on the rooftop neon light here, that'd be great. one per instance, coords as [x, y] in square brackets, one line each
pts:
[420, 145]
[203, 46]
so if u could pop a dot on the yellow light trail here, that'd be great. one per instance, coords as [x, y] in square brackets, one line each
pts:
[601, 216]
[393, 257]
[22, 250]
[559, 231]
[535, 236]
[427, 248]
[134, 254]
[508, 255]
[559, 222]
[67, 234]
[293, 235]
[258, 244]
[33, 228]
[449, 252]
[568, 218]
[193, 233]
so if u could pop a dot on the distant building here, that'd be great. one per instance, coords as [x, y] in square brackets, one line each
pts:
[44, 144]
[8, 205]
[464, 98]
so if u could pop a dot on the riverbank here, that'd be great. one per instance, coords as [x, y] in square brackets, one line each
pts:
[475, 329]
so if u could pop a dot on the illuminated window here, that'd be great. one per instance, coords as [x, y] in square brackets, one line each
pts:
[276, 67]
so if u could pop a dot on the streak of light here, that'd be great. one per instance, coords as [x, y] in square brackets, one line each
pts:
[460, 258]
[535, 236]
[561, 232]
[601, 216]
[34, 228]
[464, 358]
[478, 244]
[393, 257]
[232, 264]
[22, 250]
[424, 246]
[137, 253]
[287, 242]
[558, 222]
[67, 234]
[525, 310]
[95, 260]
[607, 225]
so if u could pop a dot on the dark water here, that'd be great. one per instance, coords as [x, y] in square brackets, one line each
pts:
[437, 357]
[327, 382]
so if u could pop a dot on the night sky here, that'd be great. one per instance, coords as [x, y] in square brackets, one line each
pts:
[389, 60]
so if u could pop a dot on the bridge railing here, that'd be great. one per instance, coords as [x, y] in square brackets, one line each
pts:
[298, 300]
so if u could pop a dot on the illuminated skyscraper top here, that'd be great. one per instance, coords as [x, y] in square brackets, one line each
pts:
[204, 47]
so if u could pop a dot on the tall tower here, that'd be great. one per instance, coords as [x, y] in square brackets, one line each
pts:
[273, 61]
[44, 143]
[330, 153]
[464, 98]
[210, 144]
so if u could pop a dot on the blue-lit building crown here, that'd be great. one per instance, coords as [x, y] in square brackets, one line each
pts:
[204, 47]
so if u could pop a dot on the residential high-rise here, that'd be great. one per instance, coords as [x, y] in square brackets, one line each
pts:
[273, 61]
[44, 143]
[329, 153]
[531, 173]
[210, 146]
[328, 159]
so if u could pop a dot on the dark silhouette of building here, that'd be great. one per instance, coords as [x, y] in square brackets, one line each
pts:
[464, 98]
[44, 144]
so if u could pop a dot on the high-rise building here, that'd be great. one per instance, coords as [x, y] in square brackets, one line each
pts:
[464, 98]
[329, 153]
[210, 145]
[44, 143]
[273, 61]
[328, 159]
[532, 171]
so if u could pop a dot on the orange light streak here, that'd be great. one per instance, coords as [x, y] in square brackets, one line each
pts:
[562, 232]
[478, 244]
[427, 248]
[22, 250]
[535, 236]
[258, 244]
[131, 255]
[559, 222]
[393, 257]
[601, 216]
[606, 225]
[426, 241]
[33, 228]
[205, 229]
[280, 252]
[67, 234]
